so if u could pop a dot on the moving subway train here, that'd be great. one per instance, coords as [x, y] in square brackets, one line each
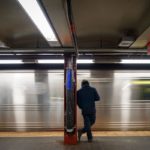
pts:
[33, 100]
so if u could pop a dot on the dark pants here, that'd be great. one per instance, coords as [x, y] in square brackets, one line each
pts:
[89, 120]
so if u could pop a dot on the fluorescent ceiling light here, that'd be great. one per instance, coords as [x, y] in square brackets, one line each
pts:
[135, 61]
[52, 61]
[11, 62]
[34, 11]
[126, 41]
[3, 45]
[6, 54]
[85, 61]
[61, 61]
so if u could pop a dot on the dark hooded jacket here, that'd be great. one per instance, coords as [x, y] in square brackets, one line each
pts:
[86, 98]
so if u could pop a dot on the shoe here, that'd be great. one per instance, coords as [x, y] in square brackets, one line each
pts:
[90, 140]
[79, 135]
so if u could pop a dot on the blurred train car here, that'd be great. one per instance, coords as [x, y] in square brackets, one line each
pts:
[34, 100]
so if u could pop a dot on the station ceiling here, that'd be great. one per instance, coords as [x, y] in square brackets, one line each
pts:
[100, 25]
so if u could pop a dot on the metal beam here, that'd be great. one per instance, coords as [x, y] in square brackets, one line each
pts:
[71, 50]
[102, 66]
[98, 57]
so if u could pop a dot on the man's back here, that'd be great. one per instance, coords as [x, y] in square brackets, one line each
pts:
[86, 98]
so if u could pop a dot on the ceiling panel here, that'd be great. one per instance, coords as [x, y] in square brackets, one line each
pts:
[16, 28]
[99, 23]
[105, 21]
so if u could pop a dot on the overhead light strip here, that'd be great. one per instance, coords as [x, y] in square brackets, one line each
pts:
[53, 61]
[46, 61]
[61, 61]
[85, 61]
[135, 61]
[35, 12]
[11, 62]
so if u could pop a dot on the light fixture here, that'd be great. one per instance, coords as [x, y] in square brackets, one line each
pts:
[3, 45]
[11, 62]
[61, 61]
[35, 12]
[128, 37]
[135, 61]
[52, 61]
[85, 61]
[126, 42]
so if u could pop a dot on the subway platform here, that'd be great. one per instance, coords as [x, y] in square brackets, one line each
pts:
[116, 140]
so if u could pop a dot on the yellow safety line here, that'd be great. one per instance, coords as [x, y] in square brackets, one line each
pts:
[122, 133]
[61, 134]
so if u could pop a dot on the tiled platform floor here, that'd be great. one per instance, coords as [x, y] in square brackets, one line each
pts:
[114, 140]
[56, 143]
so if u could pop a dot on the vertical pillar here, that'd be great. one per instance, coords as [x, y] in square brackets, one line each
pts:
[70, 121]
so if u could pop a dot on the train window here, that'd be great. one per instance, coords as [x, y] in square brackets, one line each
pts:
[140, 90]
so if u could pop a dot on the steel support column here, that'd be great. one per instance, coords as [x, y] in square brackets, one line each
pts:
[70, 121]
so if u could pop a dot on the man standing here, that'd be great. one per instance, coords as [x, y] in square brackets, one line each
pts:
[86, 98]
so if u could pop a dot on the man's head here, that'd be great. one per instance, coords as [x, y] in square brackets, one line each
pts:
[85, 83]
